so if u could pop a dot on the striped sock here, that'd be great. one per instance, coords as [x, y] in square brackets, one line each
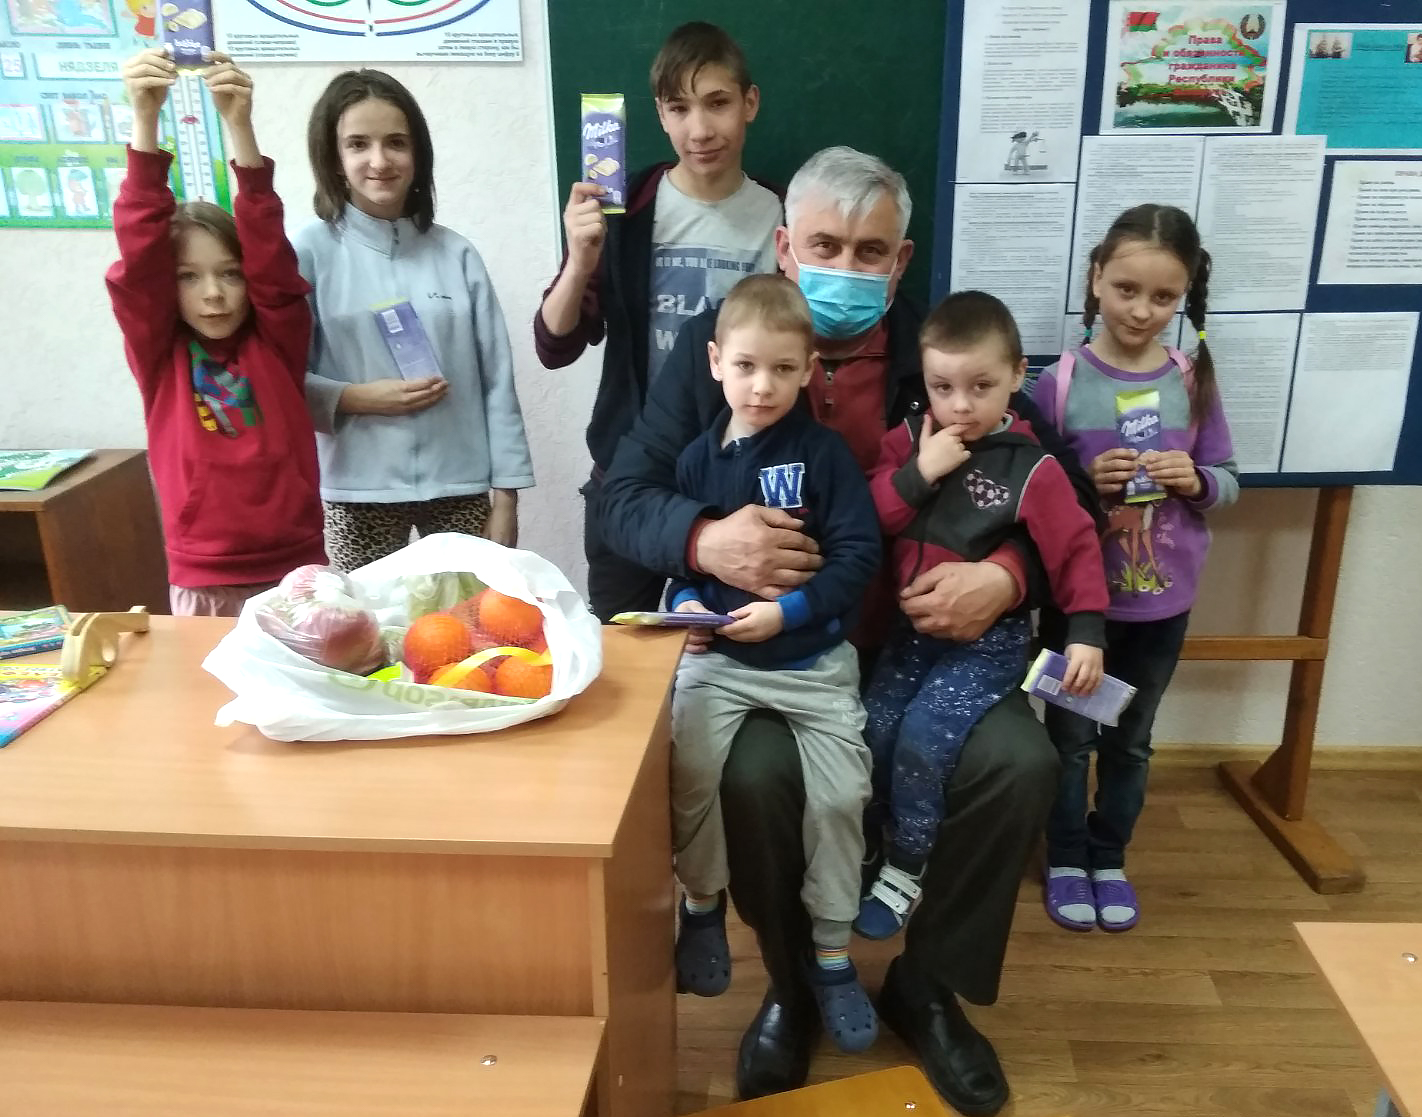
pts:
[832, 958]
[702, 905]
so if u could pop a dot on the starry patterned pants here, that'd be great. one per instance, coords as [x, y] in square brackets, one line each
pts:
[924, 698]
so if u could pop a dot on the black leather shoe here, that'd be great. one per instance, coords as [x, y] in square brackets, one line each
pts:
[775, 1051]
[956, 1057]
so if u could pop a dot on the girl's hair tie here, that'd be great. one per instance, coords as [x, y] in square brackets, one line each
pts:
[1202, 335]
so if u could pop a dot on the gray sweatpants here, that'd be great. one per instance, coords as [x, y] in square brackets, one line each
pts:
[821, 704]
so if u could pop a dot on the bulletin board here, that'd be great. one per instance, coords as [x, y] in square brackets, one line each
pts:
[1281, 127]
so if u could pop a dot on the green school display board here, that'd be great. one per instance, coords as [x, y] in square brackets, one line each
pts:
[830, 72]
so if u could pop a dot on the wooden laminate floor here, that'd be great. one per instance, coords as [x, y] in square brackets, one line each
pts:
[1209, 1007]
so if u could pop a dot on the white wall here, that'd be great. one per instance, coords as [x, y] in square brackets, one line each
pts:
[64, 383]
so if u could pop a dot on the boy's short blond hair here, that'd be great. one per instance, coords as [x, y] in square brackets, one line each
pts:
[690, 49]
[771, 301]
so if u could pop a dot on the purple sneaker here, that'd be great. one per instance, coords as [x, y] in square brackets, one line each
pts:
[1067, 896]
[1117, 908]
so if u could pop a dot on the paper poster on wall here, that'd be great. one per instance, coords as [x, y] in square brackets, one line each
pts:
[1346, 413]
[1200, 66]
[1374, 228]
[1118, 172]
[1254, 365]
[1358, 84]
[370, 31]
[1019, 103]
[1258, 215]
[64, 117]
[1013, 241]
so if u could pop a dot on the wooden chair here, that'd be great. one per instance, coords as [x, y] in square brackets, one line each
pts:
[896, 1092]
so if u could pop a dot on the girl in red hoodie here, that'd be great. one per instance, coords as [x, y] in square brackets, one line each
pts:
[216, 327]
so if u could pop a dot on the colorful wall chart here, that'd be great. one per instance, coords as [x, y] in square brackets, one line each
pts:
[370, 30]
[1191, 67]
[64, 119]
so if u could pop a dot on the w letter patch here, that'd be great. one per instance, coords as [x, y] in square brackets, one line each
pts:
[781, 485]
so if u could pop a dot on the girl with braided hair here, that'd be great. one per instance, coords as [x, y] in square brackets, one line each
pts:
[1148, 419]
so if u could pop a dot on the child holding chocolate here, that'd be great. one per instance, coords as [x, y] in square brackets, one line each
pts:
[691, 230]
[1150, 422]
[954, 485]
[215, 327]
[411, 382]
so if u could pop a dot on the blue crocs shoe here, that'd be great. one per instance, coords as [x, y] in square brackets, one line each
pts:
[703, 958]
[845, 1009]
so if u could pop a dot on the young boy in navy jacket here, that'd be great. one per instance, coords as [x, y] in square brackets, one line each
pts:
[789, 655]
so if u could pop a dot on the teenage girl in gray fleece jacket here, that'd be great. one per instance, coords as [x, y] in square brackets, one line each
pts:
[443, 451]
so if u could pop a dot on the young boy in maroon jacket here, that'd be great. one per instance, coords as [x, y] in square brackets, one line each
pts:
[953, 485]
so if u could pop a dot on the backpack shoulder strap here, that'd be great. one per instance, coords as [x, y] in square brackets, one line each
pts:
[1185, 365]
[1066, 364]
[1187, 374]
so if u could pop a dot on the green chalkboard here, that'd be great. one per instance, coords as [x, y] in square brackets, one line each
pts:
[850, 72]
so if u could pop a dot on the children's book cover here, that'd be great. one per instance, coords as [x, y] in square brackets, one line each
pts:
[30, 692]
[39, 630]
[30, 470]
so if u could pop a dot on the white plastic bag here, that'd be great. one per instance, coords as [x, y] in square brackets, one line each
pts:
[290, 698]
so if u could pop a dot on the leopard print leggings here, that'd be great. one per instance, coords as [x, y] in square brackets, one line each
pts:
[357, 534]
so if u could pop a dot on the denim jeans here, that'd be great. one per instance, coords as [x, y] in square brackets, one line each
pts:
[1143, 654]
[923, 700]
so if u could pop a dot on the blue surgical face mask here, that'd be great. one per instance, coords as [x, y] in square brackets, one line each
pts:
[843, 304]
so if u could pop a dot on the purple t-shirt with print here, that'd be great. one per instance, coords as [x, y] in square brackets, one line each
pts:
[1154, 551]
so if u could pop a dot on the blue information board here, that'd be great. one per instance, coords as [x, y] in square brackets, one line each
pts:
[1369, 121]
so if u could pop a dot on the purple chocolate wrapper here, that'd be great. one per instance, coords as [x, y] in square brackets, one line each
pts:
[186, 31]
[604, 147]
[1138, 424]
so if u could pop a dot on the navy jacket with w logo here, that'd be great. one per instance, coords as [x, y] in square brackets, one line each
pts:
[806, 469]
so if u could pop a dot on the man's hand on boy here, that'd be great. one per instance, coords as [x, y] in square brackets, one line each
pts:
[698, 639]
[585, 226]
[1174, 469]
[958, 600]
[1084, 670]
[1112, 469]
[754, 623]
[940, 452]
[760, 550]
[147, 77]
[231, 89]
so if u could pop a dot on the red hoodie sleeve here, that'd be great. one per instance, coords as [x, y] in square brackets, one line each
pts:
[1066, 539]
[143, 284]
[887, 480]
[561, 350]
[274, 284]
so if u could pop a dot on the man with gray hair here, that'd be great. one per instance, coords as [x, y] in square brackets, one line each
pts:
[845, 244]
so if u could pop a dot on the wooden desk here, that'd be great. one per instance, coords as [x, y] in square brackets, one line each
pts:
[148, 857]
[1366, 966]
[90, 539]
[86, 1060]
